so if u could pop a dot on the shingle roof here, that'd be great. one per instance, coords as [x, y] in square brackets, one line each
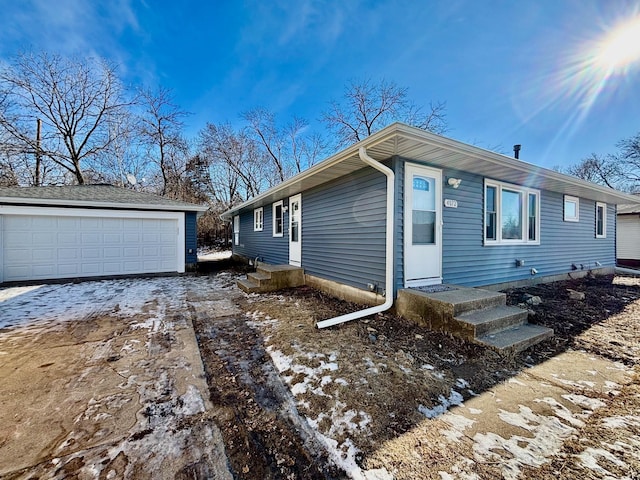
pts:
[105, 196]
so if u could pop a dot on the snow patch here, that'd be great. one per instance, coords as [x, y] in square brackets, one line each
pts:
[445, 402]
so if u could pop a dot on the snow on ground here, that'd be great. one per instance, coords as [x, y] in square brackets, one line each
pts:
[208, 255]
[77, 301]
[343, 421]
[157, 379]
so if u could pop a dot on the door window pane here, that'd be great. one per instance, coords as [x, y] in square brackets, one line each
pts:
[424, 227]
[295, 219]
[424, 211]
[511, 215]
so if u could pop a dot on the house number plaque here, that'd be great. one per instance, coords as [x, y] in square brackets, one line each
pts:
[450, 203]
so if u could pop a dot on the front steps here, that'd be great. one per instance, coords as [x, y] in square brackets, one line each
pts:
[472, 314]
[268, 278]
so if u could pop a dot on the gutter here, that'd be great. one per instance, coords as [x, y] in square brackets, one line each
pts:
[388, 303]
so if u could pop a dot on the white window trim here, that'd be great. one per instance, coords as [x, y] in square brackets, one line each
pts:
[604, 220]
[524, 213]
[576, 200]
[236, 230]
[273, 210]
[258, 219]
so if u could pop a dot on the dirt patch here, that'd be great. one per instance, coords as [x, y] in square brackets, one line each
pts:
[578, 324]
[264, 436]
[371, 382]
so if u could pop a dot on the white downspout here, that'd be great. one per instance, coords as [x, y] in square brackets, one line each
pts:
[388, 250]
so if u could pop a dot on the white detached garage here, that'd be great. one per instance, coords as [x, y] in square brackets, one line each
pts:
[92, 231]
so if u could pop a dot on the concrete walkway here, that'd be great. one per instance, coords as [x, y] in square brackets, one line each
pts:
[521, 423]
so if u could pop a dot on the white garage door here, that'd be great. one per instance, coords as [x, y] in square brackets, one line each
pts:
[52, 246]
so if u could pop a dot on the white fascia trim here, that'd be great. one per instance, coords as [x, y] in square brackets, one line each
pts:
[408, 131]
[91, 212]
[108, 205]
[405, 131]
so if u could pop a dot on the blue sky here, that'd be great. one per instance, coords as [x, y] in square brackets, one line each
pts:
[509, 71]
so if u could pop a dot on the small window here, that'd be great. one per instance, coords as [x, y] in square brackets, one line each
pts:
[277, 219]
[533, 217]
[258, 217]
[236, 230]
[601, 220]
[490, 213]
[571, 209]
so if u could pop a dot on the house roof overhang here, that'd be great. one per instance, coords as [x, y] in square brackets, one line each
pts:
[412, 143]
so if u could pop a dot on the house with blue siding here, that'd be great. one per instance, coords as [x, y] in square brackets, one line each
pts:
[407, 208]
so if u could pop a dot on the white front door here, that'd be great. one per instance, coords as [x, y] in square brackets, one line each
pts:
[295, 230]
[422, 226]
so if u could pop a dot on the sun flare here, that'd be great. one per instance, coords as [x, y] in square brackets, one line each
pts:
[621, 47]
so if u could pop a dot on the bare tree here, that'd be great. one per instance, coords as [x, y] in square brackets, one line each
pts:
[76, 100]
[160, 131]
[367, 107]
[123, 163]
[236, 167]
[597, 169]
[629, 162]
[620, 170]
[288, 148]
[305, 150]
[262, 125]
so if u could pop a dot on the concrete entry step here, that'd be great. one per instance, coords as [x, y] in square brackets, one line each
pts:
[269, 278]
[493, 319]
[472, 314]
[248, 286]
[463, 299]
[516, 339]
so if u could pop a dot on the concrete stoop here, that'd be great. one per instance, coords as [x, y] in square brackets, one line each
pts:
[472, 314]
[268, 278]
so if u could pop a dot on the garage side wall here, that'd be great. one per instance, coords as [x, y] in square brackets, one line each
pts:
[629, 240]
[343, 230]
[191, 239]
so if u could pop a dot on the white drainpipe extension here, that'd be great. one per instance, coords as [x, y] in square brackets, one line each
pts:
[388, 250]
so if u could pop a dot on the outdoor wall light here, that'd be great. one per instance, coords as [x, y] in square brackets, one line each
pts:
[285, 208]
[454, 182]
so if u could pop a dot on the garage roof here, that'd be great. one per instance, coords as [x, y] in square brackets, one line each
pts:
[92, 196]
[413, 143]
[628, 209]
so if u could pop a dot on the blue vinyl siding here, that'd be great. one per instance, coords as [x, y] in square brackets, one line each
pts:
[561, 243]
[466, 261]
[343, 234]
[191, 238]
[262, 244]
[398, 232]
[343, 229]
